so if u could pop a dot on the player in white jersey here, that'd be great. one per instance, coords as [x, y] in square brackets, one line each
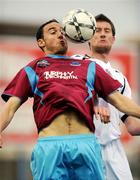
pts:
[116, 163]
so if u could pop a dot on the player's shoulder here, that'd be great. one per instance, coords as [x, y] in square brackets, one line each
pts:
[78, 56]
[81, 56]
[118, 72]
[84, 57]
[41, 61]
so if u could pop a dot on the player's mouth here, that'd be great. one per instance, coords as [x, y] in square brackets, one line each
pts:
[103, 41]
[63, 42]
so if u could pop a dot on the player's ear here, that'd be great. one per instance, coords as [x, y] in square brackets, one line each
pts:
[113, 39]
[41, 43]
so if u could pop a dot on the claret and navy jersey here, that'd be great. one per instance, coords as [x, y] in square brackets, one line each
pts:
[59, 83]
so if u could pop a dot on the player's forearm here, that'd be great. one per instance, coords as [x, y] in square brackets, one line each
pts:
[8, 112]
[6, 116]
[4, 123]
[130, 108]
[124, 104]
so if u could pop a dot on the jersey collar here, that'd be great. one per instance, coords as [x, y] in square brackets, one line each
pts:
[58, 56]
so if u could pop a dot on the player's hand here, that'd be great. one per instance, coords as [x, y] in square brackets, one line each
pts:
[0, 141]
[102, 113]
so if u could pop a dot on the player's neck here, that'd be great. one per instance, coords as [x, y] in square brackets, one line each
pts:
[101, 57]
[47, 52]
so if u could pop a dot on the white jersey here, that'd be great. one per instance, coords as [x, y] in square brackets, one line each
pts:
[110, 131]
[116, 163]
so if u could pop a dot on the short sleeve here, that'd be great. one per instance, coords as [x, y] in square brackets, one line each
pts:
[18, 87]
[126, 92]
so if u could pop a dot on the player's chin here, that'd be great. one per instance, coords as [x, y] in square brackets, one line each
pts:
[62, 50]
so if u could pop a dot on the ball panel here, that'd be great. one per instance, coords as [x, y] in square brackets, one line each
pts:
[82, 17]
[87, 33]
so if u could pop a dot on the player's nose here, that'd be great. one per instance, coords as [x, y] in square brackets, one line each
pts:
[102, 34]
[61, 34]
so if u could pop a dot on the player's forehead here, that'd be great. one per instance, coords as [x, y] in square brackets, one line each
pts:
[103, 24]
[53, 25]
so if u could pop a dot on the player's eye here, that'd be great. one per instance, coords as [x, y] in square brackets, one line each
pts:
[53, 32]
[107, 30]
[98, 29]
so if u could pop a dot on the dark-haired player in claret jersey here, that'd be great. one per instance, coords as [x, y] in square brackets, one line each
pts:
[63, 90]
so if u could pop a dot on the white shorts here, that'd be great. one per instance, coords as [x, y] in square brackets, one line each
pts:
[116, 163]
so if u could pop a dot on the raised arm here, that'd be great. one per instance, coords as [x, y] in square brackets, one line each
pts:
[124, 104]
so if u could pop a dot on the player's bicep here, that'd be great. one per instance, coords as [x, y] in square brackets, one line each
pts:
[13, 104]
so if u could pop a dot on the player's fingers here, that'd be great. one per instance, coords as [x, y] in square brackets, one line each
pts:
[97, 112]
[105, 116]
[102, 113]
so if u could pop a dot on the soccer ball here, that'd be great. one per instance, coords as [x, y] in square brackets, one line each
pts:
[79, 25]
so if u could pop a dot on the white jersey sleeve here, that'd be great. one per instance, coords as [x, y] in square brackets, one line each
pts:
[126, 90]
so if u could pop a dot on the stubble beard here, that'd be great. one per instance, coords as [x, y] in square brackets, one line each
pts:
[58, 51]
[102, 50]
[62, 51]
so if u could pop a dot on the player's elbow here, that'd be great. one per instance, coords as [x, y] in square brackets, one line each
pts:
[133, 125]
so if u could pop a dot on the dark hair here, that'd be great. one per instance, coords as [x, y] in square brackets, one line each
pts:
[39, 33]
[102, 17]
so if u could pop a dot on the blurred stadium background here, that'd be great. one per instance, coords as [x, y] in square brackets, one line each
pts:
[19, 20]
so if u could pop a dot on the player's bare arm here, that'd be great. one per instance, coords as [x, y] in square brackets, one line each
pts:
[8, 112]
[124, 104]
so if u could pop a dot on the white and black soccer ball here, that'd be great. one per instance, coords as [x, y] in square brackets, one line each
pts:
[79, 25]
